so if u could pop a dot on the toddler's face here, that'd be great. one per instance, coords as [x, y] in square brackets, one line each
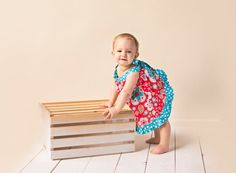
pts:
[124, 51]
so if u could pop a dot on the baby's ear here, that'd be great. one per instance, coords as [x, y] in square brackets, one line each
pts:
[136, 55]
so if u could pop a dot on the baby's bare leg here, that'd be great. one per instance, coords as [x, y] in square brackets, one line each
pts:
[163, 146]
[155, 139]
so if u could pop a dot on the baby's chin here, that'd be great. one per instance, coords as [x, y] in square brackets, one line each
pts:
[125, 66]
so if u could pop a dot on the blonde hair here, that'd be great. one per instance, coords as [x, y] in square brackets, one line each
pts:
[128, 36]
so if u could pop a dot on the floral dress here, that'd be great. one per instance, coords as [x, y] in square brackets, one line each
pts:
[152, 97]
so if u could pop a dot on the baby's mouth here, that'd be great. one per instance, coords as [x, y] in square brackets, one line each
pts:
[123, 59]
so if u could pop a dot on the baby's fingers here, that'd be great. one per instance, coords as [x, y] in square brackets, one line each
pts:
[105, 112]
[108, 116]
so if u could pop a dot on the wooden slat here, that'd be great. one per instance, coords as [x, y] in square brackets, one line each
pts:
[75, 102]
[77, 108]
[80, 107]
[73, 118]
[42, 163]
[213, 152]
[57, 108]
[87, 129]
[88, 140]
[72, 165]
[188, 153]
[98, 112]
[164, 162]
[209, 159]
[57, 154]
[102, 164]
[88, 164]
[135, 162]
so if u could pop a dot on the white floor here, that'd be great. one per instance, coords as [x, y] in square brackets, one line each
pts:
[188, 154]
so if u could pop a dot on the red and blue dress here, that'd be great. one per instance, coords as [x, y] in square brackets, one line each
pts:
[152, 97]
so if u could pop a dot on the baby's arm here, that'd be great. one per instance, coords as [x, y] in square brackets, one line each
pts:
[113, 97]
[124, 95]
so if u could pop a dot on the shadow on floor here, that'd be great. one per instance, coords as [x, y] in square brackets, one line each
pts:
[140, 143]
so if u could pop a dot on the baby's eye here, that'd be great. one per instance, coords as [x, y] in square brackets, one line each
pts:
[119, 50]
[129, 51]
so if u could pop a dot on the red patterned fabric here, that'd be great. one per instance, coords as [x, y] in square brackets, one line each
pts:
[148, 98]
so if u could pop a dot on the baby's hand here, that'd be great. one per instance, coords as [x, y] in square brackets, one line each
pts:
[109, 105]
[106, 105]
[110, 112]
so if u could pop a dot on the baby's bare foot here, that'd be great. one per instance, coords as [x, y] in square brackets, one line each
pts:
[160, 149]
[152, 141]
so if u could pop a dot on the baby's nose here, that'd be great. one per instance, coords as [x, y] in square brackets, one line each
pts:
[123, 53]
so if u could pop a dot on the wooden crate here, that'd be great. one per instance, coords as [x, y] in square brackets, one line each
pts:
[79, 129]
